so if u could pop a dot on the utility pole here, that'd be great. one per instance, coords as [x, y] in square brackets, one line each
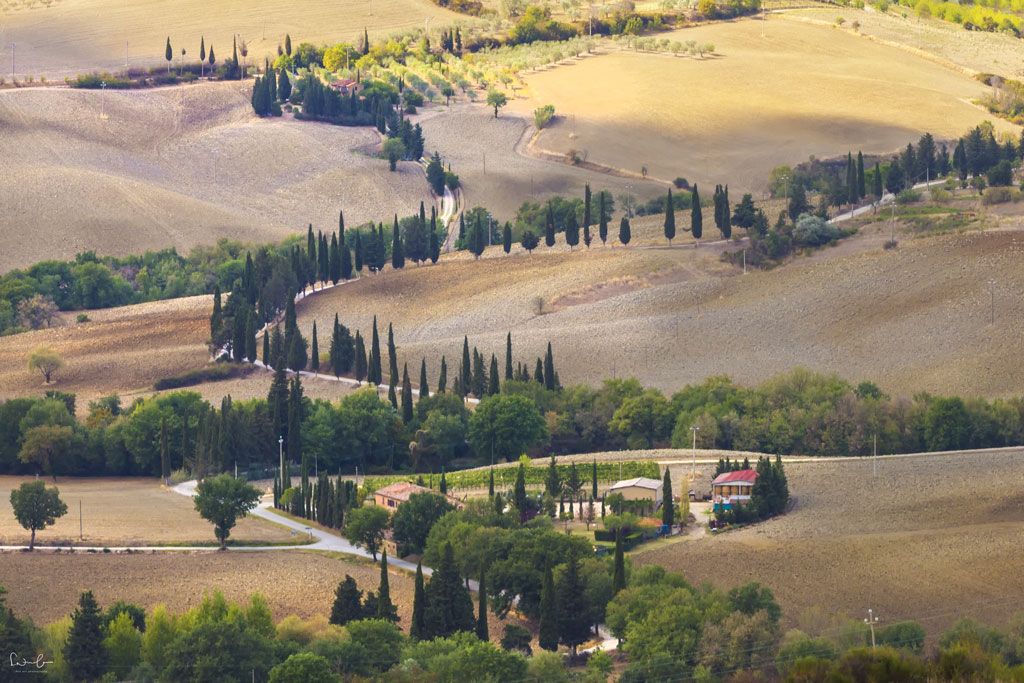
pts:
[693, 473]
[14, 47]
[280, 450]
[80, 535]
[871, 621]
[874, 455]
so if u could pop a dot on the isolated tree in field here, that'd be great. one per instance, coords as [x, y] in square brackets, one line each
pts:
[212, 59]
[497, 100]
[365, 527]
[506, 237]
[84, 653]
[625, 233]
[696, 217]
[168, 54]
[36, 507]
[668, 509]
[670, 218]
[529, 241]
[46, 361]
[221, 500]
[202, 56]
[394, 149]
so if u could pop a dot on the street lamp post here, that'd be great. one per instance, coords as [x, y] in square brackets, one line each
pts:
[280, 451]
[871, 620]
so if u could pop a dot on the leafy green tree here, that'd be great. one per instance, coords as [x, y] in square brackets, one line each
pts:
[496, 99]
[394, 149]
[46, 362]
[84, 652]
[304, 667]
[506, 426]
[414, 518]
[123, 644]
[36, 507]
[365, 527]
[529, 240]
[221, 500]
[348, 602]
[220, 650]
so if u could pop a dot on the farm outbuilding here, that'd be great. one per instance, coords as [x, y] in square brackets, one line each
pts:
[732, 488]
[641, 488]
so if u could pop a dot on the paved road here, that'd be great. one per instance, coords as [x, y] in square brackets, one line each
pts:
[886, 199]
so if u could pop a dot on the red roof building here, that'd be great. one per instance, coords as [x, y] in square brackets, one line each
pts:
[733, 487]
[393, 495]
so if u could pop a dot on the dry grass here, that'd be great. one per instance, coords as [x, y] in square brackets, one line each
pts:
[126, 512]
[801, 90]
[933, 538]
[66, 37]
[902, 318]
[178, 167]
[122, 350]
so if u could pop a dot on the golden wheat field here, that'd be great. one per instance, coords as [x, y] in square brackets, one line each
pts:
[754, 103]
[65, 37]
[123, 172]
[932, 538]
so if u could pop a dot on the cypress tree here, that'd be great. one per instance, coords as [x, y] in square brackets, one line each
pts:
[549, 228]
[593, 480]
[217, 317]
[393, 396]
[726, 214]
[519, 492]
[493, 383]
[423, 388]
[392, 357]
[506, 237]
[462, 226]
[314, 361]
[538, 372]
[670, 218]
[548, 635]
[624, 231]
[877, 181]
[443, 486]
[490, 484]
[668, 506]
[266, 349]
[619, 573]
[861, 189]
[573, 611]
[202, 55]
[284, 86]
[696, 218]
[549, 370]
[553, 482]
[465, 377]
[417, 629]
[508, 357]
[602, 218]
[361, 364]
[168, 54]
[572, 231]
[84, 652]
[442, 379]
[334, 266]
[587, 217]
[435, 247]
[449, 607]
[407, 412]
[397, 253]
[357, 251]
[250, 336]
[374, 373]
[481, 619]
[385, 608]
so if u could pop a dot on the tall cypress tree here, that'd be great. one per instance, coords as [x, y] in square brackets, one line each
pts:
[549, 228]
[392, 357]
[593, 480]
[397, 253]
[417, 629]
[670, 218]
[550, 382]
[506, 237]
[335, 260]
[385, 608]
[250, 335]
[625, 233]
[493, 382]
[573, 611]
[314, 360]
[696, 217]
[217, 317]
[668, 506]
[548, 632]
[424, 388]
[407, 412]
[508, 357]
[266, 348]
[602, 218]
[373, 372]
[84, 652]
[442, 378]
[587, 217]
[490, 484]
[449, 607]
[357, 251]
[619, 572]
[435, 247]
[347, 602]
[519, 493]
[877, 180]
[861, 188]
[360, 368]
[572, 230]
[481, 619]
[465, 372]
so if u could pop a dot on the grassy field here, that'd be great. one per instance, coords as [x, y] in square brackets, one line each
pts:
[931, 538]
[61, 37]
[123, 350]
[178, 167]
[679, 315]
[802, 90]
[127, 512]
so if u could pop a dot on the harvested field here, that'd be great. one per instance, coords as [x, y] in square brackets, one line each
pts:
[178, 167]
[485, 153]
[65, 37]
[802, 90]
[256, 385]
[932, 538]
[126, 512]
[679, 315]
[122, 350]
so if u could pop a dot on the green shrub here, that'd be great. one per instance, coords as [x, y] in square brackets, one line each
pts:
[82, 318]
[211, 373]
[1000, 195]
[908, 196]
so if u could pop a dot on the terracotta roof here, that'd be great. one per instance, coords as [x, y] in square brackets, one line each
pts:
[401, 490]
[641, 482]
[736, 476]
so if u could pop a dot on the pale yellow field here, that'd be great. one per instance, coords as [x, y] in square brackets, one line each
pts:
[63, 37]
[802, 90]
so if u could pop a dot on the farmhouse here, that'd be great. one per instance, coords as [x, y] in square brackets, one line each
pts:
[345, 86]
[732, 488]
[393, 495]
[641, 488]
